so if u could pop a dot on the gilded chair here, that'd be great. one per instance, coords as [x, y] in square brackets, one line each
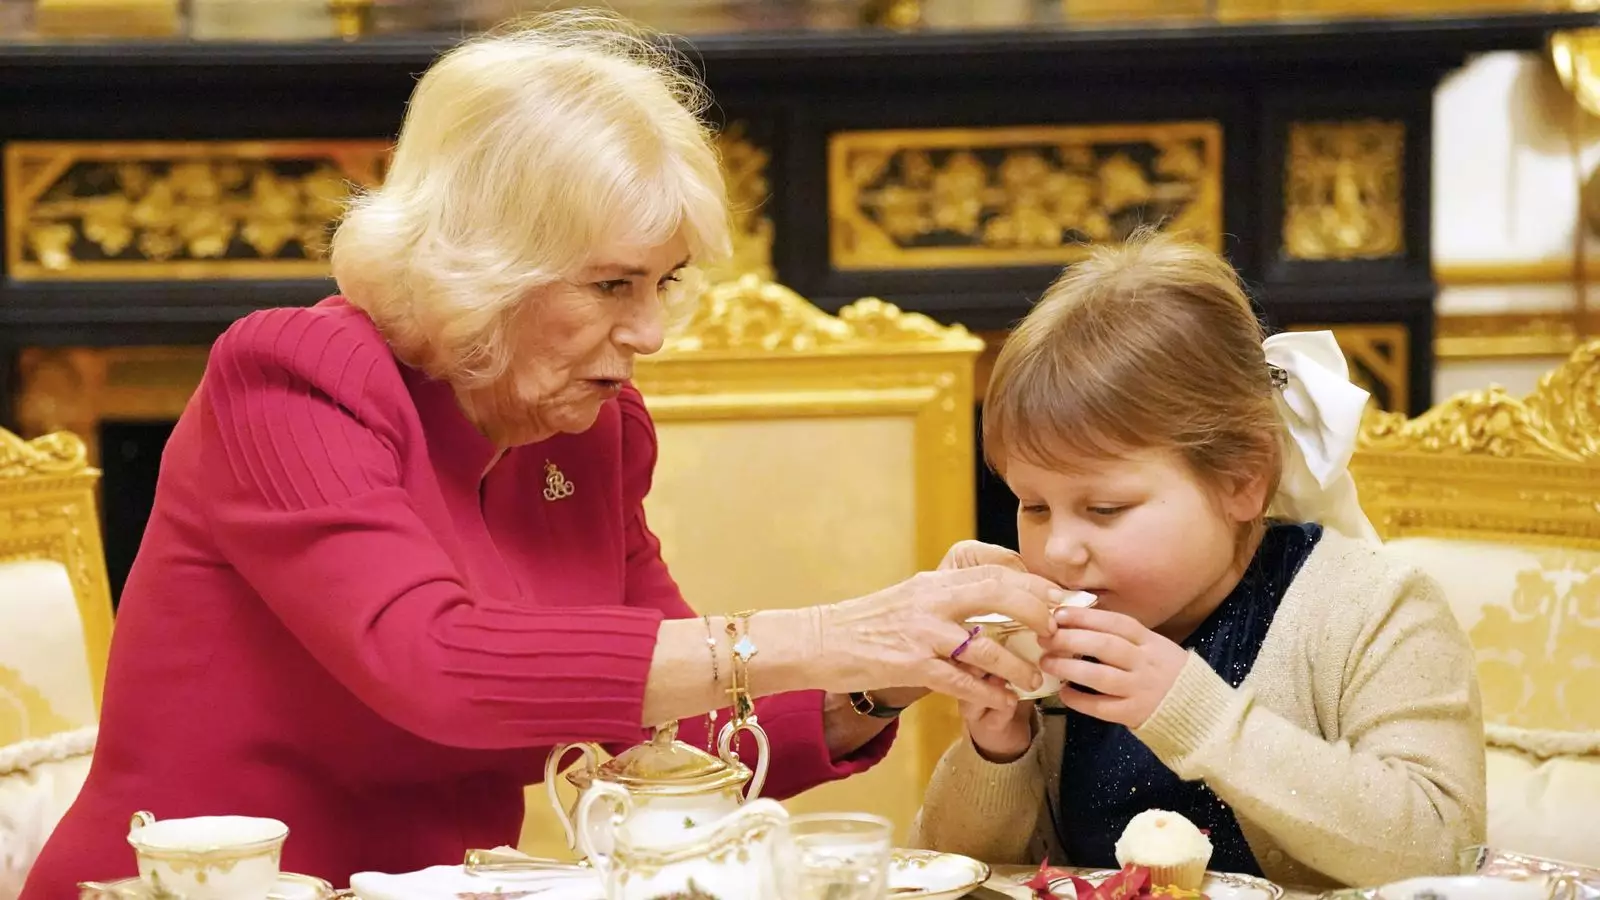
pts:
[807, 458]
[1498, 498]
[55, 632]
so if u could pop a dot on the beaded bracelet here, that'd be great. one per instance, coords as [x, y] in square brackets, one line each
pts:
[716, 684]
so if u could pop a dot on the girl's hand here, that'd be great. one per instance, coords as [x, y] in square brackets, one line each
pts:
[1001, 734]
[1131, 667]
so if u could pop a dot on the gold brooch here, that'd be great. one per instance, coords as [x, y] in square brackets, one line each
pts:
[556, 485]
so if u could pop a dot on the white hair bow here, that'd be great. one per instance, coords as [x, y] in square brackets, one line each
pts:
[1321, 413]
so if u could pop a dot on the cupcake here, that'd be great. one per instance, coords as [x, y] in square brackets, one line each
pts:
[1175, 852]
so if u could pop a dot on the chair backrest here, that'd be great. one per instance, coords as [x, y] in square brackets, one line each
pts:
[807, 458]
[1498, 497]
[55, 602]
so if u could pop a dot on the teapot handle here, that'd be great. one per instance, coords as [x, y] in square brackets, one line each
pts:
[763, 752]
[552, 774]
[614, 796]
[141, 819]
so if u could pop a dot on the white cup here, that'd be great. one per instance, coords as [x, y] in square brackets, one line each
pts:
[208, 857]
[1021, 640]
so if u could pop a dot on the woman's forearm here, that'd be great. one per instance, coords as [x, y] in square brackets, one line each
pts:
[904, 635]
[691, 672]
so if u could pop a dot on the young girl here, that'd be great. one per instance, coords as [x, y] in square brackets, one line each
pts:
[1256, 661]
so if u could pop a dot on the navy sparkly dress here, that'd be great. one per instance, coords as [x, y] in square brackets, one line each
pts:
[1108, 776]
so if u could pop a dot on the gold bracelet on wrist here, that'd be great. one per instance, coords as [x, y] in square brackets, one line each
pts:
[742, 649]
[716, 685]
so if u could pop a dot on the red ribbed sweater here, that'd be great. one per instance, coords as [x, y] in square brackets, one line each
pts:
[337, 620]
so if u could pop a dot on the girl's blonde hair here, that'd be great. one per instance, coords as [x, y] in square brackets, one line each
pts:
[522, 151]
[1148, 345]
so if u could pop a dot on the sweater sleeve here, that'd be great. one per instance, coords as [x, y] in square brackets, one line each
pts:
[981, 809]
[793, 721]
[302, 424]
[1400, 790]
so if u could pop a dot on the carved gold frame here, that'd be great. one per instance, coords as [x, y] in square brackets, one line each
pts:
[1484, 465]
[856, 242]
[47, 511]
[753, 349]
[32, 167]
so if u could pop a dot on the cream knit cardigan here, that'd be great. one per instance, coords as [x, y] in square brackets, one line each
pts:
[1352, 754]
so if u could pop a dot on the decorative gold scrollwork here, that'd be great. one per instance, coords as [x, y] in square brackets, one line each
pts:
[1017, 196]
[59, 453]
[1560, 420]
[1344, 194]
[755, 316]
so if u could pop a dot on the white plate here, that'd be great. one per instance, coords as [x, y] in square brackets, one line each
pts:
[926, 875]
[439, 882]
[288, 887]
[1217, 886]
[1465, 887]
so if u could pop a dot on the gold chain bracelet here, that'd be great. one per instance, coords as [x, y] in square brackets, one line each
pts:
[742, 650]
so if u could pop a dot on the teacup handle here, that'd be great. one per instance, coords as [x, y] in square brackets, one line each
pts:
[614, 796]
[141, 819]
[763, 752]
[552, 774]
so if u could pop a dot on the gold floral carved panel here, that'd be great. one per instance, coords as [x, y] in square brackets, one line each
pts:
[1035, 195]
[260, 209]
[744, 165]
[176, 210]
[1344, 190]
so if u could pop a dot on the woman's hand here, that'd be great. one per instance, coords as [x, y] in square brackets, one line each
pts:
[904, 636]
[969, 554]
[1001, 735]
[1131, 667]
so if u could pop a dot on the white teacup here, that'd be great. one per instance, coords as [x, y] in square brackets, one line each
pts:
[209, 857]
[1021, 640]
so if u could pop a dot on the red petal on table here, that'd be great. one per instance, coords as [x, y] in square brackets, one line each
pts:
[1040, 883]
[1132, 881]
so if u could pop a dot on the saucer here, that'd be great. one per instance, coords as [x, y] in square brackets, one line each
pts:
[289, 886]
[1465, 887]
[926, 875]
[1217, 886]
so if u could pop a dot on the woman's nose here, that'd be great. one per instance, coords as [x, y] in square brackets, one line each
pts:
[645, 332]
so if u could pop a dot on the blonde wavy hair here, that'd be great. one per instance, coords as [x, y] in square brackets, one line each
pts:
[1148, 345]
[522, 151]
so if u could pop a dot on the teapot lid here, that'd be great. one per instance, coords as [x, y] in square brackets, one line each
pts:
[666, 765]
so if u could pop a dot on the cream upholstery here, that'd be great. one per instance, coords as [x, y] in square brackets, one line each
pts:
[55, 631]
[1499, 499]
[807, 458]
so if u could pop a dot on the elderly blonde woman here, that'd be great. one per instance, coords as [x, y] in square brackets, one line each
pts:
[398, 547]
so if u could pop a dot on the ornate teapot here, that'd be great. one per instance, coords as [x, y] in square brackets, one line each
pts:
[665, 817]
[660, 789]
